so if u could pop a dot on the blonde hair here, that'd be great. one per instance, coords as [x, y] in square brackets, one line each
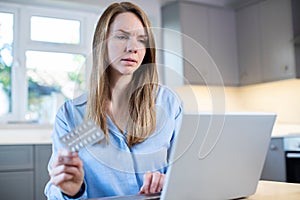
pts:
[143, 85]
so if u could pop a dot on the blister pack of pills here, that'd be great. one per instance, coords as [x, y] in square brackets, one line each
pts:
[84, 135]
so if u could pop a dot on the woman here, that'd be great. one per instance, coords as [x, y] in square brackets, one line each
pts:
[138, 117]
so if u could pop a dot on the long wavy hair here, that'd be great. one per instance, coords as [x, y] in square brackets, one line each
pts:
[143, 87]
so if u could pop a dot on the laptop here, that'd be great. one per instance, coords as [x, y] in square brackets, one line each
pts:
[216, 156]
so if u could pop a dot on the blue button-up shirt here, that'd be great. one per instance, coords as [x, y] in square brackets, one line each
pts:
[112, 168]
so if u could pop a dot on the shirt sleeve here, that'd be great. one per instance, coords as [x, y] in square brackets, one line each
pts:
[178, 121]
[63, 124]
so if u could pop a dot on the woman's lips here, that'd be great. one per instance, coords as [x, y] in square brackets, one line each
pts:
[130, 60]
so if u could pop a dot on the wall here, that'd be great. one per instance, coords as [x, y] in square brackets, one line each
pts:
[280, 97]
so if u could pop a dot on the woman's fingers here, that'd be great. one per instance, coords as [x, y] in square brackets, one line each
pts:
[65, 157]
[146, 183]
[64, 169]
[161, 183]
[153, 182]
[67, 172]
[66, 163]
[60, 178]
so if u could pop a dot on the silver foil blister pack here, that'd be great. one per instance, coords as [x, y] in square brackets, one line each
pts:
[84, 135]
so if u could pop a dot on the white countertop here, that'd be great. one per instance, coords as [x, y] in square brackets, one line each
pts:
[12, 134]
[286, 130]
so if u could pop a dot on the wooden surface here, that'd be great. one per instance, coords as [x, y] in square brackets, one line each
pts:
[268, 190]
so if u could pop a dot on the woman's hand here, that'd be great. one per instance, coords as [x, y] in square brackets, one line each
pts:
[67, 172]
[153, 182]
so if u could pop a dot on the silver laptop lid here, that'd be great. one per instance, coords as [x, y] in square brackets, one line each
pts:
[218, 156]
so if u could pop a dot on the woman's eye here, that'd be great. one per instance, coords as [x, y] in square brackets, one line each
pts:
[143, 41]
[121, 37]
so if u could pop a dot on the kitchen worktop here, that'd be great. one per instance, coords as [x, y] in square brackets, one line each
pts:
[286, 130]
[14, 134]
[269, 190]
[266, 190]
[41, 133]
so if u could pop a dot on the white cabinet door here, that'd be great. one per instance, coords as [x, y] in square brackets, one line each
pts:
[265, 46]
[214, 29]
[223, 43]
[194, 26]
[249, 51]
[277, 40]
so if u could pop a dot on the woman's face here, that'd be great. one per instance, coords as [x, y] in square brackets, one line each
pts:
[126, 43]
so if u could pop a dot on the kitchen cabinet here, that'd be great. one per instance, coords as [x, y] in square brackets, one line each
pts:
[17, 185]
[16, 172]
[265, 42]
[275, 165]
[42, 155]
[249, 50]
[200, 28]
[296, 31]
[23, 171]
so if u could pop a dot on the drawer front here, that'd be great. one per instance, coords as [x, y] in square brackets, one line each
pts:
[16, 185]
[274, 167]
[42, 156]
[16, 157]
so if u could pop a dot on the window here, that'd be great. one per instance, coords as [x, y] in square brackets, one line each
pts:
[6, 48]
[45, 63]
[55, 30]
[50, 74]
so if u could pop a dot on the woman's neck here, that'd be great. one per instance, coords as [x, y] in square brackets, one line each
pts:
[118, 82]
[119, 100]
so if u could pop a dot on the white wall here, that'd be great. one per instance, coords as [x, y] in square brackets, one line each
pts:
[152, 8]
[280, 97]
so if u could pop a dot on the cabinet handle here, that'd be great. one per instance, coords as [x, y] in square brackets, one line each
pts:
[293, 155]
[273, 147]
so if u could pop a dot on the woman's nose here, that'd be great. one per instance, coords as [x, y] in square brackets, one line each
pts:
[132, 45]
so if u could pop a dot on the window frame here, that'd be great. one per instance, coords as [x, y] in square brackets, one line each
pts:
[15, 10]
[22, 43]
